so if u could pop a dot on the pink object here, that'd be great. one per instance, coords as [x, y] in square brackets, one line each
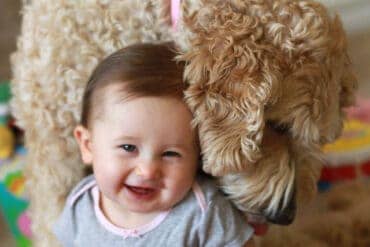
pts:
[260, 229]
[24, 225]
[361, 111]
[86, 187]
[200, 197]
[175, 12]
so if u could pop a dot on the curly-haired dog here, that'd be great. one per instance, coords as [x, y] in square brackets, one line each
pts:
[267, 81]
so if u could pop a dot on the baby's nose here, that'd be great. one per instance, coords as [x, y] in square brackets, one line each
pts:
[148, 170]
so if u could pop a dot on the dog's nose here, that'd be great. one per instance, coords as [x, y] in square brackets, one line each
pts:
[286, 215]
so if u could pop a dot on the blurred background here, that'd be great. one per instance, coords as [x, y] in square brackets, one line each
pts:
[9, 29]
[355, 15]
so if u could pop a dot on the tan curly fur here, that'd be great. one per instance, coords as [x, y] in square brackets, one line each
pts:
[60, 44]
[252, 66]
[252, 63]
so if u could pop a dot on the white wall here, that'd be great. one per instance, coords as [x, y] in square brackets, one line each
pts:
[355, 14]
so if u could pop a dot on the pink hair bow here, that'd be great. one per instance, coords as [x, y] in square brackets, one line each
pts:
[175, 12]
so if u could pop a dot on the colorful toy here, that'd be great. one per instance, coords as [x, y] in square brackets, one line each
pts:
[13, 203]
[5, 96]
[349, 157]
[6, 142]
[6, 135]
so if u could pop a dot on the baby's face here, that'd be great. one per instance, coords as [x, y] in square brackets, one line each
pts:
[144, 153]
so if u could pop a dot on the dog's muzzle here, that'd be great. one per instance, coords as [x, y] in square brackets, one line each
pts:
[284, 216]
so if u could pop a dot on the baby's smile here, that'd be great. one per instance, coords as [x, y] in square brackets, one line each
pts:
[141, 192]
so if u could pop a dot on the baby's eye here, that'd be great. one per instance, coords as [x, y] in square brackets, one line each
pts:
[128, 147]
[171, 154]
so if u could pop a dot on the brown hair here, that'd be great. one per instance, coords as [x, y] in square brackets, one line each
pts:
[142, 69]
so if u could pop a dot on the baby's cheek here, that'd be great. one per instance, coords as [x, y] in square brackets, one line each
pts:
[183, 186]
[175, 196]
[109, 182]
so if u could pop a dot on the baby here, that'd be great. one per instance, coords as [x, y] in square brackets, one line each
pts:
[146, 188]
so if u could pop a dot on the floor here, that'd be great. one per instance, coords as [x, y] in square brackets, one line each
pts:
[359, 46]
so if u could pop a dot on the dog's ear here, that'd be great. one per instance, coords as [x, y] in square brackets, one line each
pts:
[348, 81]
[231, 76]
[348, 85]
[341, 72]
[319, 86]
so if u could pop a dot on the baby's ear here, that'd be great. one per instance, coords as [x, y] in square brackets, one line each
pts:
[83, 138]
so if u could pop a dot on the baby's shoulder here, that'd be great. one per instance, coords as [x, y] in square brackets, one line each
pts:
[209, 188]
[216, 221]
[204, 196]
[80, 189]
[77, 213]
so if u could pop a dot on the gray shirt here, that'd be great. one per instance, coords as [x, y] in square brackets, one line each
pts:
[203, 218]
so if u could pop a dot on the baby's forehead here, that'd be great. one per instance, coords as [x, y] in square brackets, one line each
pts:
[106, 96]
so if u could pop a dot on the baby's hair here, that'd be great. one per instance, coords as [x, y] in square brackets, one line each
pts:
[142, 69]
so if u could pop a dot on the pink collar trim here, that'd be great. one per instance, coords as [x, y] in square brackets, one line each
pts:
[135, 232]
[200, 197]
[125, 233]
[86, 187]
